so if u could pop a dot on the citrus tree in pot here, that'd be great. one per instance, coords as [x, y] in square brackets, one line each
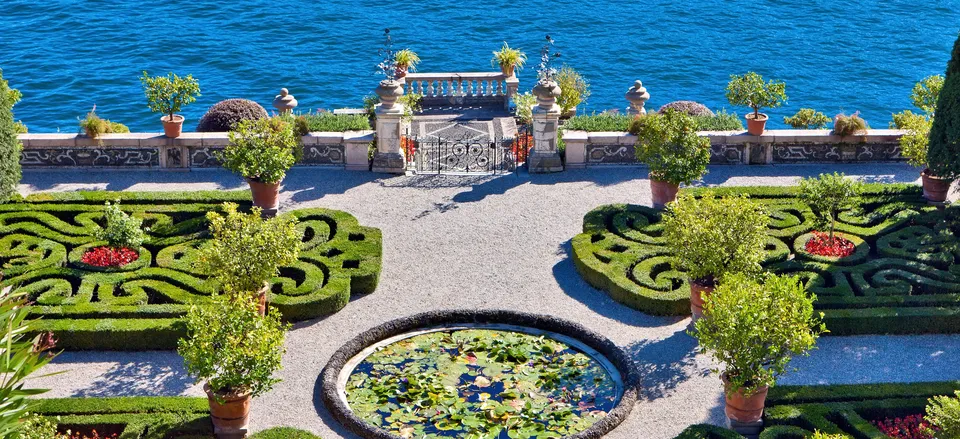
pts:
[668, 143]
[167, 95]
[750, 90]
[236, 351]
[262, 151]
[753, 328]
[713, 237]
[943, 155]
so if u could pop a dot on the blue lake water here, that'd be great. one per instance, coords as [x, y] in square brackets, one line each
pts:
[67, 55]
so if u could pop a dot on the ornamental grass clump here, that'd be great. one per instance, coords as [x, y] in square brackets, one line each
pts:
[94, 126]
[508, 59]
[262, 150]
[668, 143]
[844, 125]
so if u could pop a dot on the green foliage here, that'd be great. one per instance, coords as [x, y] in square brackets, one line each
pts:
[707, 431]
[262, 150]
[121, 230]
[821, 435]
[829, 194]
[247, 250]
[926, 93]
[916, 141]
[524, 103]
[712, 237]
[93, 126]
[137, 417]
[231, 346]
[507, 56]
[844, 125]
[807, 118]
[720, 121]
[670, 146]
[20, 128]
[944, 150]
[168, 94]
[599, 122]
[412, 104]
[34, 426]
[755, 328]
[10, 146]
[749, 90]
[943, 413]
[284, 433]
[334, 123]
[406, 59]
[574, 89]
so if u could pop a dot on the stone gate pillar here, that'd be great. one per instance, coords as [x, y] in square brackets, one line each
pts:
[544, 156]
[389, 155]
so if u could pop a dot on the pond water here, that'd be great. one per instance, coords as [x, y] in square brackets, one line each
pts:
[481, 383]
[67, 55]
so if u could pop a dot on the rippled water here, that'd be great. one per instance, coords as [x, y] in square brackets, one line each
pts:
[66, 55]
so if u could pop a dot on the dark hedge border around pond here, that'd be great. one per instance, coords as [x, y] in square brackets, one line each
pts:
[343, 414]
[141, 309]
[902, 285]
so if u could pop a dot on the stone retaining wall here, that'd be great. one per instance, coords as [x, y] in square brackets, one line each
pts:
[191, 150]
[735, 147]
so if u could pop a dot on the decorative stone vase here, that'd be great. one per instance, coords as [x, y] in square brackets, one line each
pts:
[742, 408]
[638, 97]
[935, 189]
[569, 113]
[756, 125]
[284, 102]
[508, 69]
[699, 288]
[389, 91]
[231, 417]
[663, 192]
[265, 195]
[547, 93]
[172, 127]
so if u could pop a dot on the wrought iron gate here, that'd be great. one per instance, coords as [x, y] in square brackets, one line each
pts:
[469, 154]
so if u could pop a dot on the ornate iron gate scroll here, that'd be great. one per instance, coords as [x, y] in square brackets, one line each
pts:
[469, 154]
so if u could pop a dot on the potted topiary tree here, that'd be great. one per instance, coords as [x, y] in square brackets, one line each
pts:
[828, 195]
[247, 251]
[712, 238]
[167, 95]
[754, 328]
[262, 151]
[236, 351]
[508, 59]
[749, 90]
[406, 60]
[943, 154]
[670, 146]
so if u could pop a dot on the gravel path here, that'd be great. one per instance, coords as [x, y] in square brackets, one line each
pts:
[490, 242]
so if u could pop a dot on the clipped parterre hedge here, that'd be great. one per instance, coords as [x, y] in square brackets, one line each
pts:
[139, 308]
[904, 280]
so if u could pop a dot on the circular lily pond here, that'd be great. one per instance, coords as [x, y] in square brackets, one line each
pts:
[481, 382]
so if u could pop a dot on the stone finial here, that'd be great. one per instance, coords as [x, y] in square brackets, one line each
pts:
[547, 93]
[284, 102]
[389, 91]
[638, 97]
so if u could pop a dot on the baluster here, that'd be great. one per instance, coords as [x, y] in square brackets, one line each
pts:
[429, 88]
[489, 88]
[473, 88]
[419, 87]
[499, 91]
[451, 87]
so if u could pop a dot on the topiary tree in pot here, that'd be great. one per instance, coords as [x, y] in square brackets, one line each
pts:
[670, 146]
[750, 90]
[753, 328]
[712, 238]
[10, 145]
[223, 115]
[167, 95]
[262, 151]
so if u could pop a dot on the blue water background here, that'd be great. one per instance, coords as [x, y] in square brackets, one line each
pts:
[67, 55]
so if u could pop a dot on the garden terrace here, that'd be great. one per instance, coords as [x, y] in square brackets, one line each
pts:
[137, 306]
[903, 278]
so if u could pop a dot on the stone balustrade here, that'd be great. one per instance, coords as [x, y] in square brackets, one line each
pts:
[736, 147]
[191, 150]
[463, 89]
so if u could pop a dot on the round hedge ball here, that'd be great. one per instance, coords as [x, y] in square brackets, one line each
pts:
[690, 107]
[224, 114]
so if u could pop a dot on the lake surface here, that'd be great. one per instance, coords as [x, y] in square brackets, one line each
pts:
[67, 55]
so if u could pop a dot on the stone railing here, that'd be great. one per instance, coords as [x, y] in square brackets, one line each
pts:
[735, 147]
[463, 89]
[191, 150]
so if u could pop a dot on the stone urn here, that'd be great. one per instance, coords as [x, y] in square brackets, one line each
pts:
[389, 91]
[638, 97]
[547, 92]
[284, 102]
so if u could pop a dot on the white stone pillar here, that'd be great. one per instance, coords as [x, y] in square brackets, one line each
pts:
[544, 156]
[389, 155]
[513, 87]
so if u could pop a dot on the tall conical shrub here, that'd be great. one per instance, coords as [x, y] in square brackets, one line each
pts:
[943, 154]
[9, 144]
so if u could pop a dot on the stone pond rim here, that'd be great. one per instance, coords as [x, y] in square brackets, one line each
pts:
[616, 356]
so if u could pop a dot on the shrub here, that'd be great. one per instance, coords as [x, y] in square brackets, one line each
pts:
[712, 237]
[406, 59]
[821, 435]
[916, 141]
[943, 414]
[10, 146]
[690, 107]
[247, 250]
[121, 230]
[844, 125]
[670, 146]
[524, 103]
[223, 115]
[807, 118]
[284, 433]
[335, 123]
[168, 94]
[754, 328]
[926, 93]
[507, 56]
[599, 122]
[233, 347]
[93, 126]
[721, 121]
[34, 426]
[827, 195]
[574, 89]
[749, 90]
[262, 150]
[944, 150]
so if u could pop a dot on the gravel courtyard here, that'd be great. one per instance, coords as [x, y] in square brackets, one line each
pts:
[489, 242]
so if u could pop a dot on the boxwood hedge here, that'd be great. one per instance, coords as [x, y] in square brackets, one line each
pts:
[905, 278]
[139, 307]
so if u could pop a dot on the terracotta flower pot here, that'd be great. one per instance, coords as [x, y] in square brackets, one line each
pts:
[232, 415]
[699, 288]
[172, 127]
[400, 72]
[507, 69]
[756, 126]
[262, 299]
[934, 188]
[663, 192]
[745, 409]
[265, 195]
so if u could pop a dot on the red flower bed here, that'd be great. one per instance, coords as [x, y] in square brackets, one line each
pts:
[907, 427]
[109, 256]
[822, 245]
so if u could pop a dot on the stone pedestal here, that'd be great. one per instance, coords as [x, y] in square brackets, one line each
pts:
[749, 430]
[544, 157]
[389, 155]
